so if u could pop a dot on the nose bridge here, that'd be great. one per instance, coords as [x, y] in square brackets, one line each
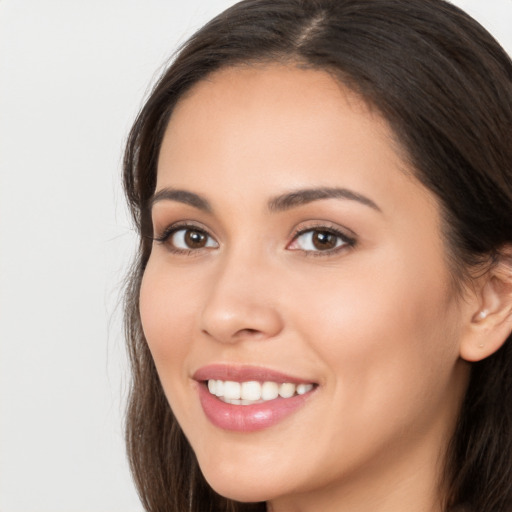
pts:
[241, 303]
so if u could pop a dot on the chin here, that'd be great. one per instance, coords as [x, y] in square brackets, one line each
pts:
[240, 491]
[241, 484]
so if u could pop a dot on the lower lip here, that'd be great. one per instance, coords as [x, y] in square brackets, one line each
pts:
[248, 418]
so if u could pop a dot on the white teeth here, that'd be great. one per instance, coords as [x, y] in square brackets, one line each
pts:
[304, 388]
[269, 390]
[231, 390]
[286, 390]
[250, 392]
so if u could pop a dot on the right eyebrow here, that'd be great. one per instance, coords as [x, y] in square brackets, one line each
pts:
[304, 196]
[181, 196]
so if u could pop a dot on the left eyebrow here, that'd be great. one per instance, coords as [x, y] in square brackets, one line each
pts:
[304, 196]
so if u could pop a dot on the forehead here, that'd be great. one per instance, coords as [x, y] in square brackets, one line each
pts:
[275, 127]
[269, 93]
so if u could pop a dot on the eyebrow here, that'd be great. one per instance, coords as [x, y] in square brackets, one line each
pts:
[305, 196]
[181, 196]
[277, 204]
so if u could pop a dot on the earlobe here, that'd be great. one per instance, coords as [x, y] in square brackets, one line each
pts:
[491, 323]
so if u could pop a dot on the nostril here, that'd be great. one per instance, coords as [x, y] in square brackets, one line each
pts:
[248, 332]
[239, 335]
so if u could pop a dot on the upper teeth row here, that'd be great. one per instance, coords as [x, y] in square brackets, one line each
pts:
[254, 390]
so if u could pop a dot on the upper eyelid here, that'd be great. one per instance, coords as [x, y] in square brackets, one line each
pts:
[181, 224]
[333, 231]
[325, 225]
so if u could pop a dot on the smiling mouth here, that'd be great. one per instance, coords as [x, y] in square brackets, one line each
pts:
[269, 396]
[254, 392]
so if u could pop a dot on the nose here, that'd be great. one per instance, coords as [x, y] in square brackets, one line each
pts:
[241, 304]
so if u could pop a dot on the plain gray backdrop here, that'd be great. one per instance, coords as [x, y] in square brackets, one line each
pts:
[72, 77]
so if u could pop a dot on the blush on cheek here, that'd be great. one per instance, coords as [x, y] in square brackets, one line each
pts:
[165, 316]
[152, 306]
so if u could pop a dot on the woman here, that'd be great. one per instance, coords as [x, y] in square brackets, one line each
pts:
[320, 312]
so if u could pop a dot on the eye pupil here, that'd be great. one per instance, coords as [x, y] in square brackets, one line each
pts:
[324, 240]
[195, 239]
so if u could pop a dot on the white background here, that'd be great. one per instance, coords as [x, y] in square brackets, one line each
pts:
[72, 77]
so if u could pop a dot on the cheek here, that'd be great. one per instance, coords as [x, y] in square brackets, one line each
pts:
[167, 318]
[388, 347]
[387, 334]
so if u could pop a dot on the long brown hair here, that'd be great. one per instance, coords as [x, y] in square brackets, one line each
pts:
[445, 86]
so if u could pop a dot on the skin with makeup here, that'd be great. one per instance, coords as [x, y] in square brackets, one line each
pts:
[299, 299]
[285, 355]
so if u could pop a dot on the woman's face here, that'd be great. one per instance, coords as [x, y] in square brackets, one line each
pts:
[297, 255]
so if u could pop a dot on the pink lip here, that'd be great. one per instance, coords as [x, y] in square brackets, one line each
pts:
[246, 418]
[243, 374]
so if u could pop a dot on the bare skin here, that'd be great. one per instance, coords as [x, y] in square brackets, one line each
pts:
[350, 292]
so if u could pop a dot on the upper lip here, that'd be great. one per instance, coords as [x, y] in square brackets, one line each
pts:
[244, 373]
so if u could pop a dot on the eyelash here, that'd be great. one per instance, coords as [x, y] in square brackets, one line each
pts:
[164, 237]
[347, 241]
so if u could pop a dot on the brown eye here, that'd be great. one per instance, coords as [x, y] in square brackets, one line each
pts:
[186, 239]
[195, 239]
[323, 240]
[320, 240]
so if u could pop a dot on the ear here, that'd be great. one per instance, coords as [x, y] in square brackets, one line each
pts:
[490, 322]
